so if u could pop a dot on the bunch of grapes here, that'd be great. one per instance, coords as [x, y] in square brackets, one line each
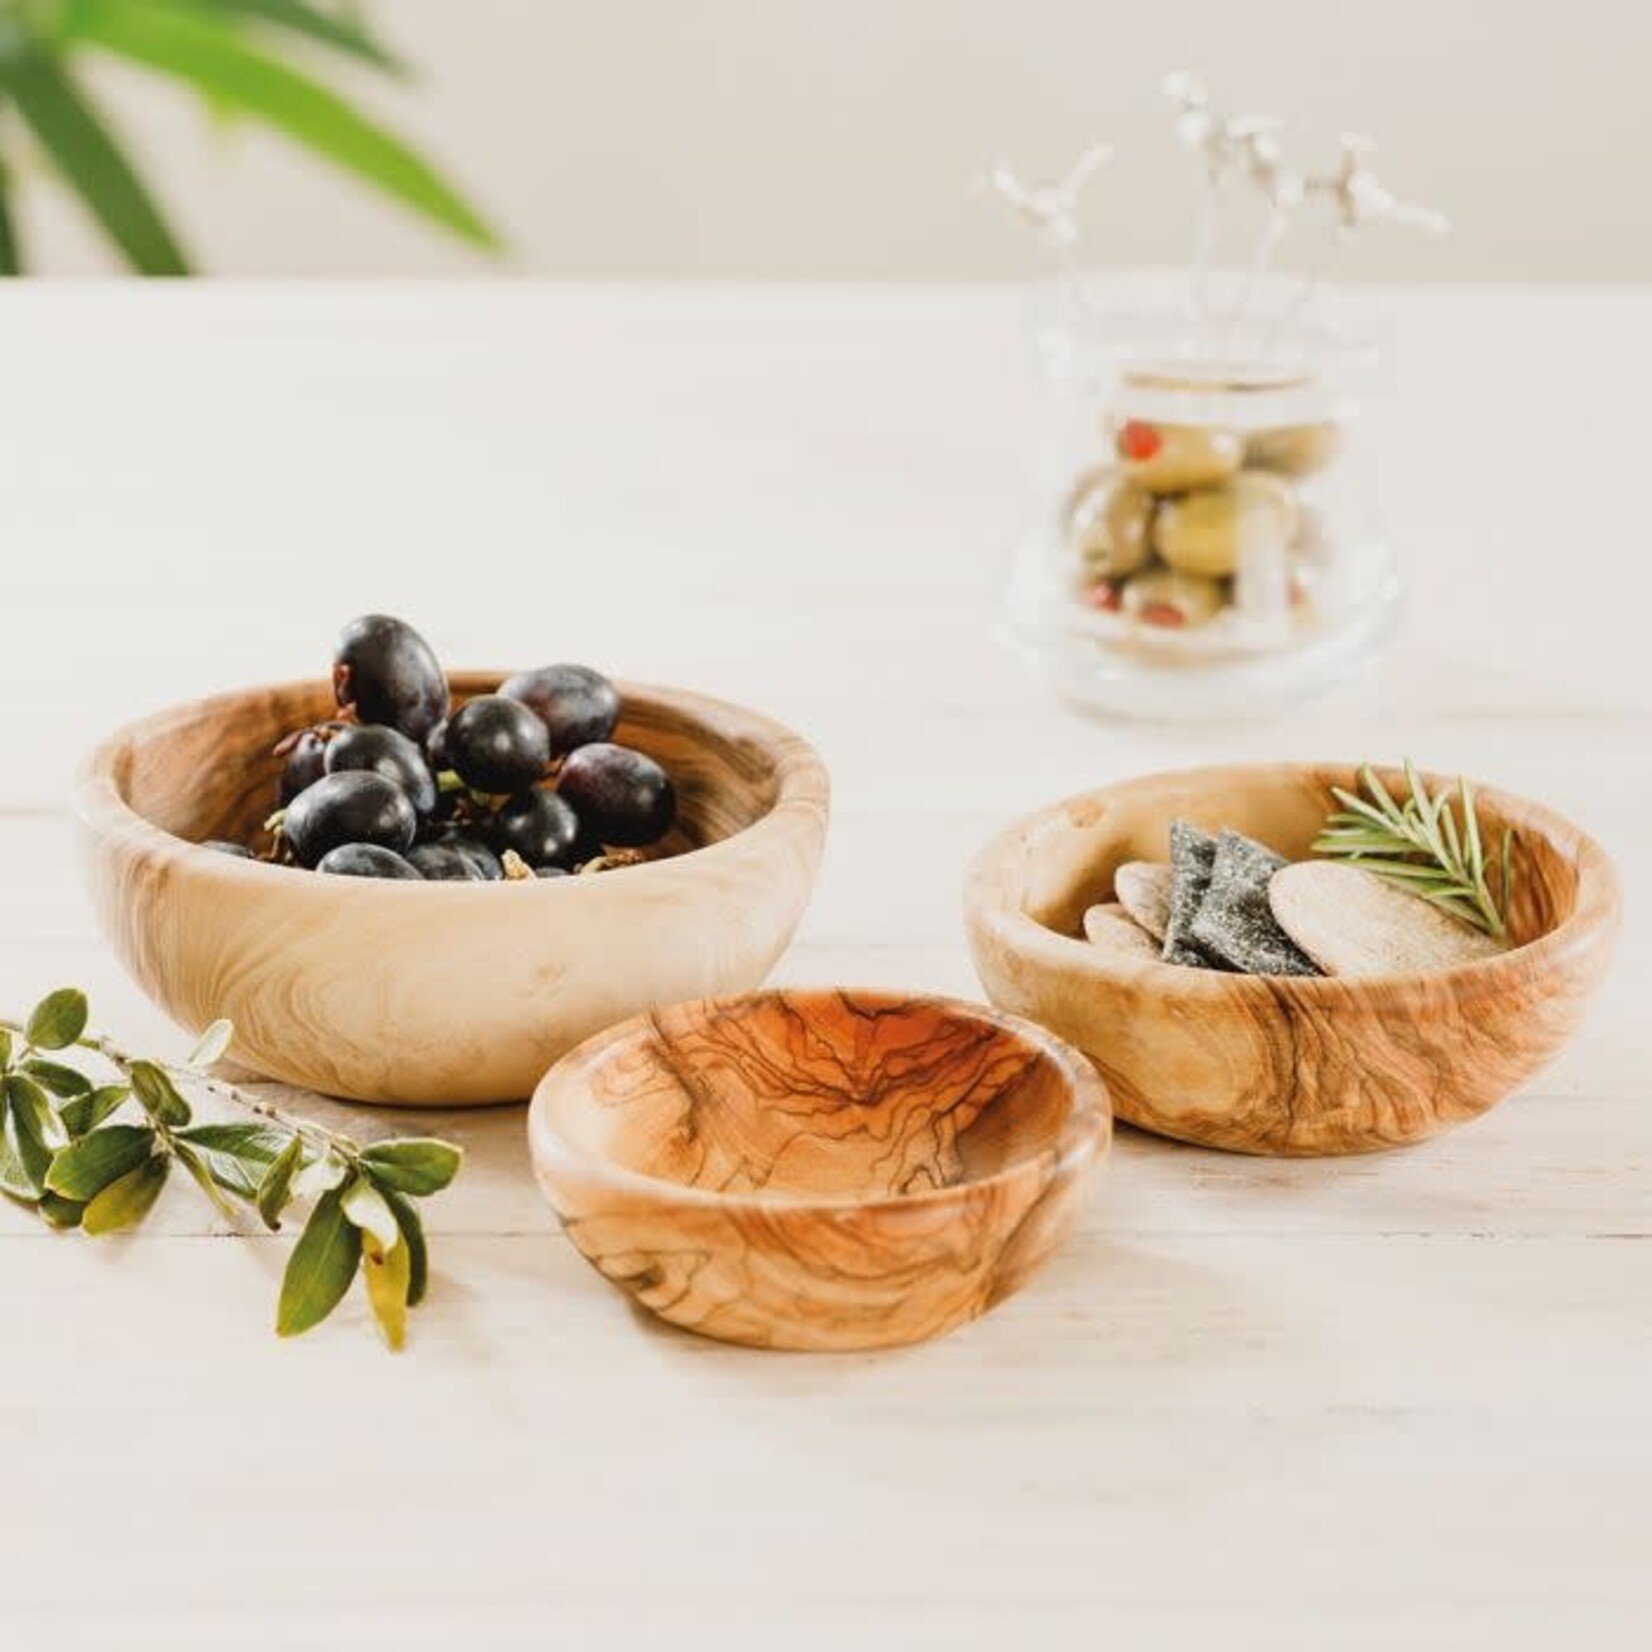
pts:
[524, 782]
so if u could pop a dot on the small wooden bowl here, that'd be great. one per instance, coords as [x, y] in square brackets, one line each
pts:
[438, 993]
[1287, 1066]
[821, 1170]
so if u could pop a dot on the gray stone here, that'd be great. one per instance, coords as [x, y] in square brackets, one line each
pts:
[1235, 921]
[1192, 857]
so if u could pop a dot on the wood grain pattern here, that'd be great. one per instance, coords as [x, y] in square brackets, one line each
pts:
[819, 1170]
[438, 994]
[1284, 1065]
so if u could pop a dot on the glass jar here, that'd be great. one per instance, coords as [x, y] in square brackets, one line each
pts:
[1205, 541]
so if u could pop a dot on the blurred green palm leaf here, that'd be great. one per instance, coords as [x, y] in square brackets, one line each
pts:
[212, 46]
[72, 132]
[324, 27]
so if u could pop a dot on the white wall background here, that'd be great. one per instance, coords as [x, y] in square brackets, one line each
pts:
[838, 138]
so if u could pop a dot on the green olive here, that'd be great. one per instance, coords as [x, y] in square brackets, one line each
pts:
[1112, 524]
[1170, 458]
[1211, 531]
[1295, 449]
[1166, 598]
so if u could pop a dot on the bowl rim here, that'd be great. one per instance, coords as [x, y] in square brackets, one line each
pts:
[1085, 1134]
[990, 906]
[802, 786]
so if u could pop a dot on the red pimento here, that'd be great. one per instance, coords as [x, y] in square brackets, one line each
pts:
[1138, 440]
[1107, 595]
[1162, 613]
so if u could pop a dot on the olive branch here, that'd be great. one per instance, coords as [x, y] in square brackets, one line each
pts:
[95, 1156]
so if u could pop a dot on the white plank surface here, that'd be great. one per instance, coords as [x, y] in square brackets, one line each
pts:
[1395, 1401]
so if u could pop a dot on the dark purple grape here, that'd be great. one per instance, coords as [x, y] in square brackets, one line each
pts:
[622, 797]
[576, 704]
[366, 860]
[540, 827]
[386, 672]
[445, 863]
[354, 807]
[497, 745]
[385, 751]
[225, 847]
[306, 758]
[435, 749]
[473, 849]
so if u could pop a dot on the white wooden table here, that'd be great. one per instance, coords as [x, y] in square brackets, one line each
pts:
[1387, 1402]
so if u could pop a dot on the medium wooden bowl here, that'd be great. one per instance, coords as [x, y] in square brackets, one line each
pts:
[819, 1170]
[438, 993]
[1279, 1065]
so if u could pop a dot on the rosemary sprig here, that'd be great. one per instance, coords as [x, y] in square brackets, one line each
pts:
[67, 1153]
[1420, 845]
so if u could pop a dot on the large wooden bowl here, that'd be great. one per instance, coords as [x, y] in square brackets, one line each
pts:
[819, 1170]
[1275, 1065]
[438, 993]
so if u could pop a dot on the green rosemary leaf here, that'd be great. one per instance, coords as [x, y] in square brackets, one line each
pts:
[1419, 844]
[1380, 798]
[1471, 830]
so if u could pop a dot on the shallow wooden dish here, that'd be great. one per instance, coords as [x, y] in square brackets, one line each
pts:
[438, 993]
[1285, 1066]
[819, 1170]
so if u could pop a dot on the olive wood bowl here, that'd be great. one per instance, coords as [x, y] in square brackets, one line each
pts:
[1289, 1066]
[438, 993]
[819, 1170]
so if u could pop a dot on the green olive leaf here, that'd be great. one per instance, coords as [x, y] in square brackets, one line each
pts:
[87, 1112]
[22, 1165]
[60, 1213]
[387, 1275]
[234, 1155]
[415, 1164]
[33, 1109]
[125, 1203]
[85, 1167]
[418, 1255]
[212, 1043]
[365, 1207]
[320, 1268]
[62, 1081]
[192, 1162]
[275, 1186]
[158, 1093]
[58, 1019]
